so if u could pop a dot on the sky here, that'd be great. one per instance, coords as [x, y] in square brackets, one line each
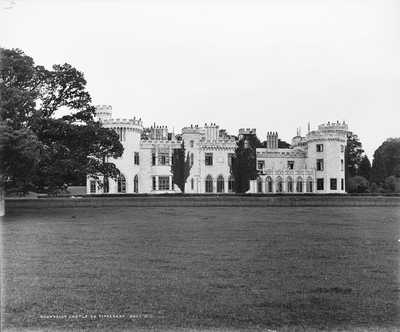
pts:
[269, 65]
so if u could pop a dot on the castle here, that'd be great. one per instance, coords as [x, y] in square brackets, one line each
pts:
[314, 164]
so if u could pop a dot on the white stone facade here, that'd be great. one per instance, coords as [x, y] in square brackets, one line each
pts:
[314, 164]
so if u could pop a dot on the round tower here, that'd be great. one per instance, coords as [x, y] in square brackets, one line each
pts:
[326, 148]
[103, 112]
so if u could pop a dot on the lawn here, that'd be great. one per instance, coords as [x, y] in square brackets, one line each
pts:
[190, 269]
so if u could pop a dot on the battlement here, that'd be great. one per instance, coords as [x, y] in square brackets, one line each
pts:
[104, 108]
[333, 126]
[124, 122]
[192, 130]
[247, 131]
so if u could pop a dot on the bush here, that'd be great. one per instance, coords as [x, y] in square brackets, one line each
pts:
[358, 184]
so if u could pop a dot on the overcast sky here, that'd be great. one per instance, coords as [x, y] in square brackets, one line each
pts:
[269, 65]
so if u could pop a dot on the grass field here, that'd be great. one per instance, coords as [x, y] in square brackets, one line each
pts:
[184, 269]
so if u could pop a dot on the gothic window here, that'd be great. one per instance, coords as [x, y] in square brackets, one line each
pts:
[259, 185]
[209, 184]
[289, 185]
[136, 184]
[231, 184]
[220, 184]
[309, 185]
[121, 184]
[299, 185]
[268, 181]
[279, 185]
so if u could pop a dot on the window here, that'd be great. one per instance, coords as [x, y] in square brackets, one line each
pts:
[121, 184]
[333, 184]
[320, 164]
[279, 185]
[290, 164]
[163, 159]
[154, 183]
[209, 159]
[309, 185]
[320, 147]
[92, 186]
[191, 159]
[209, 184]
[341, 184]
[259, 185]
[269, 184]
[231, 157]
[289, 185]
[136, 184]
[153, 159]
[320, 184]
[192, 183]
[342, 148]
[299, 185]
[136, 158]
[191, 143]
[261, 164]
[106, 186]
[163, 183]
[341, 165]
[231, 184]
[220, 184]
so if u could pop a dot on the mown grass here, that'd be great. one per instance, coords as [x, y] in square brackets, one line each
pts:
[180, 269]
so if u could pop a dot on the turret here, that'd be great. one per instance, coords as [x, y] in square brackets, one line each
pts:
[103, 112]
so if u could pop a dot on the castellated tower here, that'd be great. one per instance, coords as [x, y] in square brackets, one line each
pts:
[326, 148]
[129, 132]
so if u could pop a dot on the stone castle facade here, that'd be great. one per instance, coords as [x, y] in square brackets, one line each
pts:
[314, 164]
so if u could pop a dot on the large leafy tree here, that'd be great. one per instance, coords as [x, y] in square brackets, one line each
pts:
[243, 166]
[354, 153]
[181, 166]
[364, 168]
[390, 150]
[378, 171]
[50, 152]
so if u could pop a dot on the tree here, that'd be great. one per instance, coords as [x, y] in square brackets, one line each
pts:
[354, 153]
[243, 166]
[378, 170]
[55, 151]
[364, 169]
[180, 167]
[358, 184]
[390, 150]
[283, 144]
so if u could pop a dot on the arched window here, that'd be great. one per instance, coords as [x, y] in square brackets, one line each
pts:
[268, 181]
[309, 185]
[231, 184]
[136, 184]
[209, 184]
[299, 185]
[220, 184]
[121, 184]
[289, 182]
[259, 185]
[279, 184]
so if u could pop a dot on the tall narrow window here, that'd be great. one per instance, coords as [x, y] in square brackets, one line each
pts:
[231, 157]
[320, 164]
[309, 185]
[136, 158]
[191, 143]
[259, 185]
[341, 184]
[209, 159]
[320, 184]
[92, 186]
[341, 165]
[289, 183]
[136, 184]
[279, 185]
[154, 183]
[269, 184]
[333, 184]
[191, 159]
[209, 184]
[106, 185]
[220, 184]
[153, 159]
[192, 184]
[231, 184]
[121, 184]
[299, 185]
